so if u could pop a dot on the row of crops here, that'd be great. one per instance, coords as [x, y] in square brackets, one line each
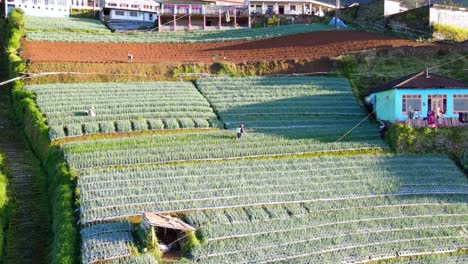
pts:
[122, 107]
[106, 241]
[117, 192]
[293, 107]
[217, 145]
[36, 23]
[48, 32]
[351, 231]
[288, 106]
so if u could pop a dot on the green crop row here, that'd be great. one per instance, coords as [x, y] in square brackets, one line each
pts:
[36, 23]
[121, 107]
[113, 193]
[172, 37]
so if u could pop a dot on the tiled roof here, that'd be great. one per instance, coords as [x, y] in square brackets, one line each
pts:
[420, 80]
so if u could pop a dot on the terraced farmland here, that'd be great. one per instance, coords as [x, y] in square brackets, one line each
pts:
[54, 24]
[352, 231]
[116, 192]
[48, 33]
[122, 107]
[288, 106]
[106, 241]
[218, 145]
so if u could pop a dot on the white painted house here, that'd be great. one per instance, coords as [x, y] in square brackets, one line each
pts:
[136, 10]
[49, 8]
[289, 7]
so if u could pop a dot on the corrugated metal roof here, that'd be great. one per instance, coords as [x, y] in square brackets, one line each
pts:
[166, 222]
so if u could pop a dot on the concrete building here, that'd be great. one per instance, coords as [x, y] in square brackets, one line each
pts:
[419, 93]
[201, 15]
[49, 8]
[289, 7]
[135, 10]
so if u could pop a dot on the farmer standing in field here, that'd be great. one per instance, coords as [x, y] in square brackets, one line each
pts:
[130, 57]
[240, 131]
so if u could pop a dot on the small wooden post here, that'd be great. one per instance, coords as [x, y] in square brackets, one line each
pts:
[235, 21]
[153, 235]
[219, 20]
[175, 23]
[159, 23]
[189, 23]
[204, 22]
[250, 22]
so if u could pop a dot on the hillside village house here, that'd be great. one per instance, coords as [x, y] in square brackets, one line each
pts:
[412, 96]
[201, 15]
[136, 10]
[49, 8]
[287, 7]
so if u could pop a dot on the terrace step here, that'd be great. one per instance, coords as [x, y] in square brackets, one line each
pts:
[27, 236]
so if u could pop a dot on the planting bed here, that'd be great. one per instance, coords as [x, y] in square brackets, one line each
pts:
[41, 25]
[309, 46]
[192, 146]
[59, 28]
[122, 107]
[357, 230]
[325, 209]
[288, 106]
[117, 192]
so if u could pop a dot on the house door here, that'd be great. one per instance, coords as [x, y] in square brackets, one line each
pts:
[437, 101]
[281, 10]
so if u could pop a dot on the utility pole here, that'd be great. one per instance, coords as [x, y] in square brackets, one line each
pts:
[337, 6]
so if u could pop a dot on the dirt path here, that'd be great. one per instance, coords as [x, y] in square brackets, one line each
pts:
[27, 236]
[308, 46]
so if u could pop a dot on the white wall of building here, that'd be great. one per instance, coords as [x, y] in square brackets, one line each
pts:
[456, 17]
[132, 15]
[391, 7]
[47, 8]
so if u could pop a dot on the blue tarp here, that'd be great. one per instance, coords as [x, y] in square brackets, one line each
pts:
[339, 22]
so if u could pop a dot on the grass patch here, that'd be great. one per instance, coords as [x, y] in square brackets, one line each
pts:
[450, 32]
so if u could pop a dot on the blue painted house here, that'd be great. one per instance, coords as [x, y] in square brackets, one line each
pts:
[419, 92]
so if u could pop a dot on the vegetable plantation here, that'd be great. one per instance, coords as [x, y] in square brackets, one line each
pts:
[122, 107]
[355, 230]
[166, 37]
[36, 23]
[125, 191]
[217, 145]
[106, 241]
[288, 106]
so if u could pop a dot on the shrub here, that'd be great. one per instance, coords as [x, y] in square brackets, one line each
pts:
[56, 132]
[155, 124]
[171, 123]
[186, 123]
[140, 125]
[91, 128]
[107, 127]
[123, 126]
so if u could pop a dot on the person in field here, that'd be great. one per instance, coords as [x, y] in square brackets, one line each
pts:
[240, 131]
[130, 57]
[91, 112]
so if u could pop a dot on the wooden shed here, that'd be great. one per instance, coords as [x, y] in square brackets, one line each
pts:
[151, 221]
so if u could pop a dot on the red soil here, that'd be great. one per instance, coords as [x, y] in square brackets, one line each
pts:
[308, 46]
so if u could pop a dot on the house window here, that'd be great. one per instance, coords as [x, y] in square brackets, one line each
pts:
[119, 13]
[133, 14]
[435, 101]
[410, 103]
[293, 8]
[460, 103]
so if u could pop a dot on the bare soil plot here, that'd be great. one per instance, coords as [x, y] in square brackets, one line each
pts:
[309, 46]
